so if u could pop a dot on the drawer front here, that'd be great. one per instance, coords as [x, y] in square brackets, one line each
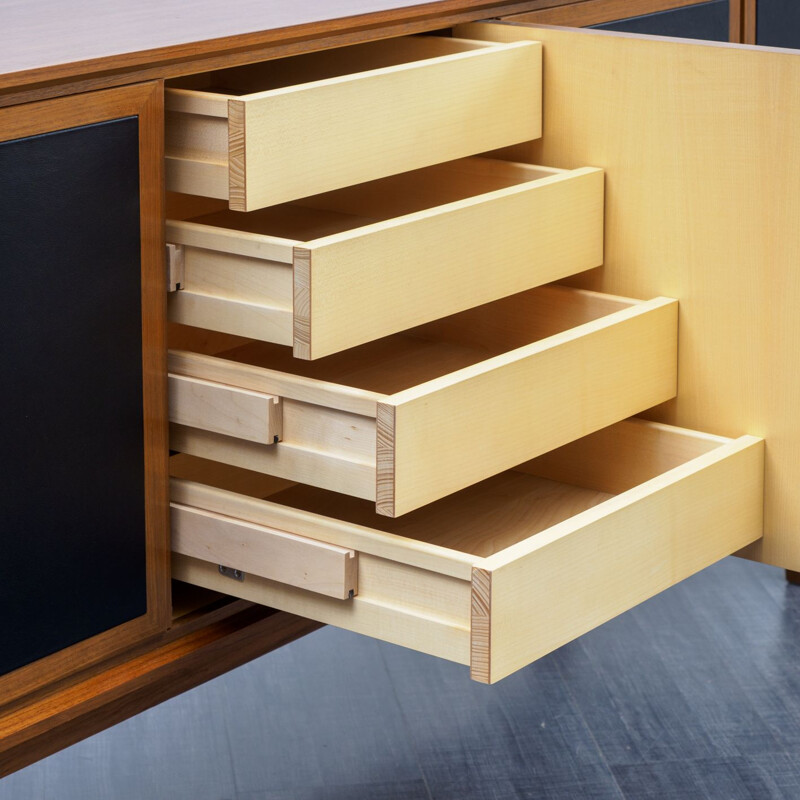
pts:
[338, 291]
[414, 446]
[272, 146]
[512, 568]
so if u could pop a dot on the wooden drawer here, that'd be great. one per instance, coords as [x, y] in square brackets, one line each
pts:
[276, 131]
[501, 573]
[350, 266]
[410, 418]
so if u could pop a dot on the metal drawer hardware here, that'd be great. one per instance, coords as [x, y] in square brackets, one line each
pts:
[175, 267]
[230, 572]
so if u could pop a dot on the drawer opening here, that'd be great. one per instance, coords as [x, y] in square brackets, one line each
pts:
[334, 270]
[503, 572]
[438, 349]
[268, 133]
[323, 65]
[415, 416]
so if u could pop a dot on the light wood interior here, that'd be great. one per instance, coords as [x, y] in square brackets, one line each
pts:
[375, 201]
[323, 65]
[329, 272]
[429, 351]
[503, 510]
[702, 204]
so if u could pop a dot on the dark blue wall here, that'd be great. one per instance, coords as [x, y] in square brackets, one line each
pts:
[703, 21]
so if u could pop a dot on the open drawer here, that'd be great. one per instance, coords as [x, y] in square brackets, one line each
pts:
[344, 268]
[410, 418]
[266, 133]
[501, 573]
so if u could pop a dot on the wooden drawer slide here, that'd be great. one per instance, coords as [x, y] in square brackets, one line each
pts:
[502, 573]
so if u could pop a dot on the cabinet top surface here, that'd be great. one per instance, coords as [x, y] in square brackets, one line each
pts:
[62, 39]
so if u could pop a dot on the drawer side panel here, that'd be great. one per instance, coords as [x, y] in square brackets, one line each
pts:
[310, 139]
[423, 611]
[431, 264]
[452, 432]
[572, 578]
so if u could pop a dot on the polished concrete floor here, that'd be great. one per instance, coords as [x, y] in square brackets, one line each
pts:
[695, 694]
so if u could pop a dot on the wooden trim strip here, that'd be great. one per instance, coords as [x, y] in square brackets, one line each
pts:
[72, 713]
[596, 12]
[264, 551]
[146, 102]
[750, 447]
[247, 47]
[191, 101]
[480, 645]
[749, 22]
[385, 463]
[238, 317]
[337, 471]
[735, 20]
[301, 289]
[260, 379]
[240, 413]
[240, 243]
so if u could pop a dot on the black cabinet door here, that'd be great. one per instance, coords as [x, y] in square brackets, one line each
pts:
[82, 518]
[702, 21]
[778, 23]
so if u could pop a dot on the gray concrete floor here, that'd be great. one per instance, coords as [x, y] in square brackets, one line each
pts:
[695, 694]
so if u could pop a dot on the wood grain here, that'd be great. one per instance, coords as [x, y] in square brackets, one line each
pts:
[240, 413]
[749, 21]
[378, 122]
[595, 12]
[267, 552]
[427, 230]
[547, 590]
[480, 649]
[73, 711]
[527, 401]
[331, 518]
[722, 236]
[103, 43]
[396, 603]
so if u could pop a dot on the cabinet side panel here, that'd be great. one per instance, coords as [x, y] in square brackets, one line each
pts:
[701, 155]
[71, 431]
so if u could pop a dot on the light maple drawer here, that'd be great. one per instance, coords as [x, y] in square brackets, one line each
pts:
[267, 133]
[410, 418]
[344, 268]
[501, 573]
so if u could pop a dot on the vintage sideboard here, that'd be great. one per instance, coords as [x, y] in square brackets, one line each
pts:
[415, 319]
